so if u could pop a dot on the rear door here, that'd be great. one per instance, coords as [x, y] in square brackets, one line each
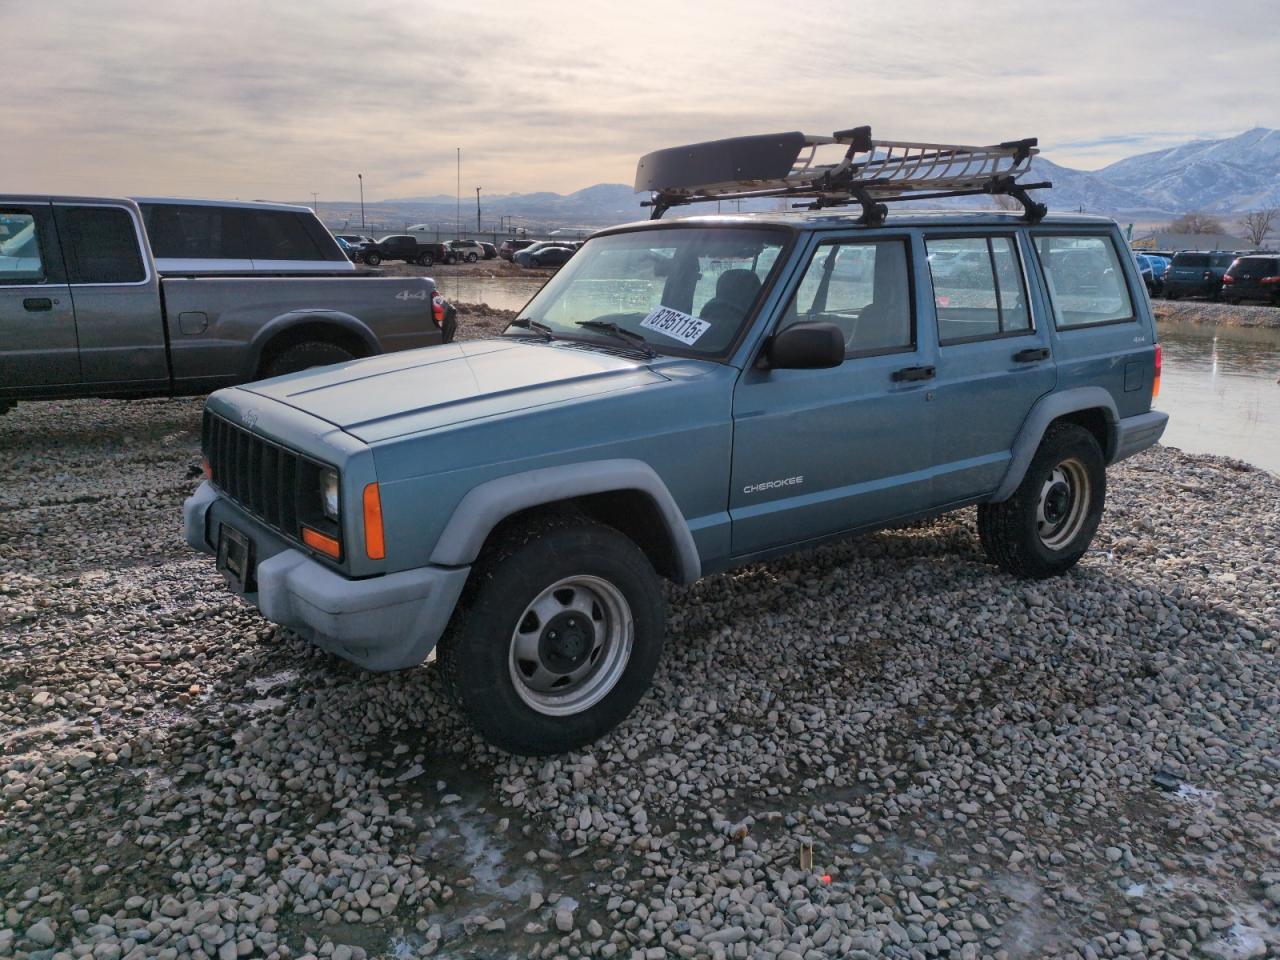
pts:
[117, 298]
[820, 452]
[993, 361]
[38, 345]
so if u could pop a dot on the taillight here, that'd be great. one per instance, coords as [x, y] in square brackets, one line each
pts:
[438, 308]
[1275, 279]
[1155, 380]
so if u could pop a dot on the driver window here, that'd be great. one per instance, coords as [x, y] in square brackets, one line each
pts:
[864, 289]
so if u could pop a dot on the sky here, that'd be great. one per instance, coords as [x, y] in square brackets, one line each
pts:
[280, 99]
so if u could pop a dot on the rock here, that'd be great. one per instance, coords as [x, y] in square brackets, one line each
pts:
[41, 933]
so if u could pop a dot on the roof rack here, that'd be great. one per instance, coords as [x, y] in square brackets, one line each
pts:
[872, 172]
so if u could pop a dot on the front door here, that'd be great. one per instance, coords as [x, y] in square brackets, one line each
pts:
[37, 323]
[993, 363]
[820, 452]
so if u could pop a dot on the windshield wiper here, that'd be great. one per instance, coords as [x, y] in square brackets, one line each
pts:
[535, 325]
[622, 333]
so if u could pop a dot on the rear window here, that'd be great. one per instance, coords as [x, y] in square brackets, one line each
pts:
[1086, 280]
[1191, 260]
[1257, 266]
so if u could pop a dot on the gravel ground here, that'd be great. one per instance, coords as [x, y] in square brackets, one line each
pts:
[1206, 311]
[877, 748]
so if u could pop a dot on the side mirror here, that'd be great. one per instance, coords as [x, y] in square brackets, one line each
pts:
[806, 346]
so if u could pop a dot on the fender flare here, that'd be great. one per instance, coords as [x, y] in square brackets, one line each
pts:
[487, 505]
[294, 318]
[1046, 410]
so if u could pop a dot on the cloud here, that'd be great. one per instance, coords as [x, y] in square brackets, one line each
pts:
[277, 100]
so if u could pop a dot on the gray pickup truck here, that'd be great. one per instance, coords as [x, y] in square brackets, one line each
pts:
[85, 312]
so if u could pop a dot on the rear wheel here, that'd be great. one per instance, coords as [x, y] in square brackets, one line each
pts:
[557, 636]
[472, 258]
[1049, 522]
[372, 259]
[426, 260]
[302, 356]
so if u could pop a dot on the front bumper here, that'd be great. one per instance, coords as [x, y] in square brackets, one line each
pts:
[1135, 434]
[387, 622]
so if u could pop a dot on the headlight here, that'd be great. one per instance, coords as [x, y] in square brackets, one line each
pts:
[329, 493]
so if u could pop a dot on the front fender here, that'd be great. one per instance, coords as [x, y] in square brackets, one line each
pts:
[484, 507]
[295, 318]
[1046, 410]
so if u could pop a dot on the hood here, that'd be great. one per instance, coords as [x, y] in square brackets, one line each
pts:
[415, 390]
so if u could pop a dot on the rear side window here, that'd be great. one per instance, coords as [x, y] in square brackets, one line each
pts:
[977, 288]
[195, 232]
[20, 260]
[279, 235]
[100, 245]
[1223, 259]
[1191, 260]
[1085, 279]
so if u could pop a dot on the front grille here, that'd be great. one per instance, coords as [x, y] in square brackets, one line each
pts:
[260, 476]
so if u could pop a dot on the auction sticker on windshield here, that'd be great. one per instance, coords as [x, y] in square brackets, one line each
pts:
[676, 325]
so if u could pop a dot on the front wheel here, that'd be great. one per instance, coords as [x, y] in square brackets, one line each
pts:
[1049, 522]
[557, 636]
[472, 258]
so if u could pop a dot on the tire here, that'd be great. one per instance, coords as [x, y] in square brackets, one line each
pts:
[372, 259]
[301, 356]
[472, 258]
[1049, 522]
[523, 597]
[426, 260]
[450, 259]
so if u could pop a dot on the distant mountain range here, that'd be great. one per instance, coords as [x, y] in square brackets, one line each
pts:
[1228, 177]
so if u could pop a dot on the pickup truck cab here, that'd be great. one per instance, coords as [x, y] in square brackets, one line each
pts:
[84, 311]
[682, 398]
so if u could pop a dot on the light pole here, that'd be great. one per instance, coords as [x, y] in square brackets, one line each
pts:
[315, 203]
[360, 177]
[477, 209]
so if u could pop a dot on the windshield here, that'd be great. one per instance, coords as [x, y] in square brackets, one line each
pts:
[687, 289]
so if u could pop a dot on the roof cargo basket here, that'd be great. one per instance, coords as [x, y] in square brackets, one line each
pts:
[872, 172]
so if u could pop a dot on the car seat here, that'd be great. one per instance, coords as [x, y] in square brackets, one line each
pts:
[735, 292]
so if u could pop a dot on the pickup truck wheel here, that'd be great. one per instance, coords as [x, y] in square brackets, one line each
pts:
[1049, 522]
[557, 636]
[426, 260]
[372, 259]
[301, 356]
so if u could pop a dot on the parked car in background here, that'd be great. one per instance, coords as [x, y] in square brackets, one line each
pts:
[468, 250]
[1152, 269]
[85, 311]
[232, 236]
[1254, 277]
[356, 239]
[350, 249]
[1197, 273]
[490, 251]
[409, 249]
[508, 248]
[554, 255]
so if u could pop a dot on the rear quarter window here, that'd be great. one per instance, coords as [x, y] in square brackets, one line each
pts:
[1085, 278]
[100, 245]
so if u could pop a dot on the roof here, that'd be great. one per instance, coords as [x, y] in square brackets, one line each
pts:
[59, 198]
[249, 204]
[845, 218]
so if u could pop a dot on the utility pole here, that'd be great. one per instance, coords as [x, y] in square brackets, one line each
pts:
[458, 226]
[477, 209]
[360, 177]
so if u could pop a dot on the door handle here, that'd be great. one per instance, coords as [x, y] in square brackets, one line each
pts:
[37, 303]
[1031, 354]
[914, 373]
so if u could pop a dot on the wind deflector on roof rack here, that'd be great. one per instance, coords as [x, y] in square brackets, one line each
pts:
[871, 172]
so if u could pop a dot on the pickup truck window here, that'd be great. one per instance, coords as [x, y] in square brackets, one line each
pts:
[100, 245]
[195, 232]
[708, 278]
[279, 235]
[1085, 279]
[864, 289]
[20, 260]
[977, 288]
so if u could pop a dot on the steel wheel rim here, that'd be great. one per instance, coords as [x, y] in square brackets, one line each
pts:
[571, 645]
[1065, 498]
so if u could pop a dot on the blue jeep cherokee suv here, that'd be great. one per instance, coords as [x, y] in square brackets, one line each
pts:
[681, 398]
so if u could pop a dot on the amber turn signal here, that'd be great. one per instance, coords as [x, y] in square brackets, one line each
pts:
[322, 543]
[374, 545]
[1155, 380]
[208, 470]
